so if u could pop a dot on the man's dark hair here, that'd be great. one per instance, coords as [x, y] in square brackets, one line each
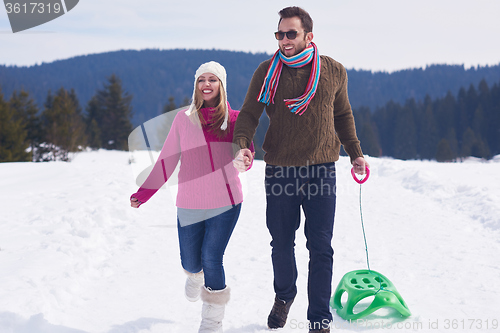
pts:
[305, 18]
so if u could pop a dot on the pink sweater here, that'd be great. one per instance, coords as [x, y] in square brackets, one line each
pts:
[207, 177]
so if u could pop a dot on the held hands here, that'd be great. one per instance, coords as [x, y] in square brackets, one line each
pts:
[360, 165]
[243, 159]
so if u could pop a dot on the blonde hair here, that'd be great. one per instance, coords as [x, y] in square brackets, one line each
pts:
[219, 114]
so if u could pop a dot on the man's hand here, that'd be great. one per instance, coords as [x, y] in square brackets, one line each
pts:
[360, 165]
[243, 159]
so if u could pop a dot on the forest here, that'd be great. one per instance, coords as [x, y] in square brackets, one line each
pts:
[153, 76]
[61, 127]
[445, 129]
[442, 112]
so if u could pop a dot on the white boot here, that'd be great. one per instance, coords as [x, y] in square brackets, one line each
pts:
[194, 282]
[212, 313]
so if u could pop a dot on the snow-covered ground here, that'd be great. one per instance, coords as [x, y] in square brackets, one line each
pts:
[74, 257]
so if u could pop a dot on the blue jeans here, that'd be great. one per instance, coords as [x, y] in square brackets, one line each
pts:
[202, 244]
[311, 187]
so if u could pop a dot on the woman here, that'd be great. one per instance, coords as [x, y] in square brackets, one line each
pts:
[209, 191]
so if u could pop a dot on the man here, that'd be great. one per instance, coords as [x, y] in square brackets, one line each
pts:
[305, 96]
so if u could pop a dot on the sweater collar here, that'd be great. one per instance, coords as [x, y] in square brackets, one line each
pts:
[208, 112]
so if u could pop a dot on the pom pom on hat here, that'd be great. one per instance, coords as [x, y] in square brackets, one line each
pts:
[219, 71]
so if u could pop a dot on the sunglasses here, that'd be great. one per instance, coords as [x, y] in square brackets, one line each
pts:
[292, 34]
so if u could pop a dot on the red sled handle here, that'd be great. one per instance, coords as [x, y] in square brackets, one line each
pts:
[362, 180]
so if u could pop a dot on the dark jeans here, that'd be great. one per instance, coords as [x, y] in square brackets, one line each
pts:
[202, 244]
[311, 187]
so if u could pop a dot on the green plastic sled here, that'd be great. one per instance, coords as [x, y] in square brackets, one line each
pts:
[365, 283]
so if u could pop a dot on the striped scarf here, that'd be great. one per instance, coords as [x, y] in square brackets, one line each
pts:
[296, 105]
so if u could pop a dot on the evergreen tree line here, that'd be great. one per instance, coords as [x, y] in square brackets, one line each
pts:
[61, 127]
[444, 129]
[154, 75]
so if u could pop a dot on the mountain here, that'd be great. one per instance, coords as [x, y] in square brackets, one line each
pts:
[152, 76]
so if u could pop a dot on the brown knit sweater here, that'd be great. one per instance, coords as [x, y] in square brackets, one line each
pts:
[316, 135]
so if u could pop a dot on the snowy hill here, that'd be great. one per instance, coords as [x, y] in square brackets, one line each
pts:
[75, 258]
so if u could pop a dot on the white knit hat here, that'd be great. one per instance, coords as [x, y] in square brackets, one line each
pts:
[219, 71]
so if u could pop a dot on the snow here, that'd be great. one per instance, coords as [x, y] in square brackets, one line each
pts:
[75, 258]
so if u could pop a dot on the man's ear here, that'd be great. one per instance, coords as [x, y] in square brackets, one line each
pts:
[309, 37]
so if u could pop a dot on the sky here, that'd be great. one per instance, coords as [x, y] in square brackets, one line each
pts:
[382, 35]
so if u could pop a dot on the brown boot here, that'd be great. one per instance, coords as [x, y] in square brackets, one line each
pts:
[279, 313]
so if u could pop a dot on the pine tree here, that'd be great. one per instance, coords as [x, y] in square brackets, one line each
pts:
[473, 142]
[170, 106]
[91, 121]
[109, 115]
[428, 133]
[366, 131]
[451, 137]
[479, 121]
[472, 101]
[462, 117]
[480, 149]
[484, 122]
[25, 109]
[444, 152]
[494, 119]
[385, 120]
[468, 141]
[484, 94]
[405, 132]
[370, 140]
[445, 113]
[480, 128]
[13, 135]
[63, 126]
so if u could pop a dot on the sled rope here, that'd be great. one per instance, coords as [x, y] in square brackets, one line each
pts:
[366, 245]
[363, 227]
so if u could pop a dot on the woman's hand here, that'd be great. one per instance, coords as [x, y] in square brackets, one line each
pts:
[134, 202]
[243, 160]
